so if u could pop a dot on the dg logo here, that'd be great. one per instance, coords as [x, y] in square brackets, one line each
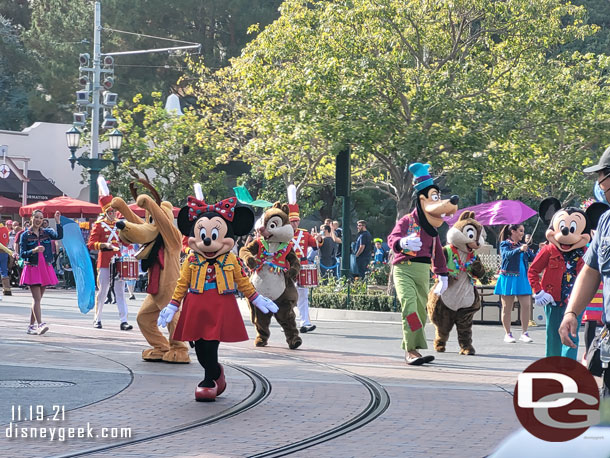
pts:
[556, 399]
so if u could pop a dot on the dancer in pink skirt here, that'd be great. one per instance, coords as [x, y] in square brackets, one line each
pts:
[38, 273]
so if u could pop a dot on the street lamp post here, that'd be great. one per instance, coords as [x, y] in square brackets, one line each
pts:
[91, 97]
[96, 80]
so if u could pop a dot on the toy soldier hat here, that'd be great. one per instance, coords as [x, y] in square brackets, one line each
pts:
[293, 208]
[421, 177]
[604, 163]
[105, 198]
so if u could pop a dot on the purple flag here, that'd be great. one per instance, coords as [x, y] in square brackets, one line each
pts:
[498, 212]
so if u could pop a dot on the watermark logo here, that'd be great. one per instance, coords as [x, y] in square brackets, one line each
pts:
[556, 399]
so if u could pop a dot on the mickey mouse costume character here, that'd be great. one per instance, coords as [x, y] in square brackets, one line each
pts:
[559, 262]
[209, 277]
[416, 244]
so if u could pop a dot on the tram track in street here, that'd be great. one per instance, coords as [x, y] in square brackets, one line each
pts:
[379, 401]
[261, 388]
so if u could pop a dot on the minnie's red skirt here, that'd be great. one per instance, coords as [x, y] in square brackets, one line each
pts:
[210, 316]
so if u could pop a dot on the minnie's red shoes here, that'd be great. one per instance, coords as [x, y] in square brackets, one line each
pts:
[203, 394]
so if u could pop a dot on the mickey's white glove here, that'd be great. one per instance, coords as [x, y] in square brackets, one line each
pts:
[166, 315]
[411, 243]
[441, 286]
[543, 298]
[265, 304]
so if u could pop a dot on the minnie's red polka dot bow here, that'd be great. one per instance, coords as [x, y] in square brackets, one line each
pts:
[225, 207]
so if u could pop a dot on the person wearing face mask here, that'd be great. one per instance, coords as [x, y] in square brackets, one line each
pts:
[596, 269]
[38, 273]
[513, 281]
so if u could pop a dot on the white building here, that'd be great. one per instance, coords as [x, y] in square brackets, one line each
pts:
[45, 144]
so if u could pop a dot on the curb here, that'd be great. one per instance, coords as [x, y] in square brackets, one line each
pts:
[338, 314]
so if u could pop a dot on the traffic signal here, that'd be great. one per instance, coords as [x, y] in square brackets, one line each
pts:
[342, 173]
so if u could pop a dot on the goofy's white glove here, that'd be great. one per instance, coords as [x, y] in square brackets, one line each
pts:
[265, 304]
[543, 298]
[166, 315]
[411, 243]
[441, 286]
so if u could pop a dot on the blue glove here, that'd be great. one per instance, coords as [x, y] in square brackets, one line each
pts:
[166, 315]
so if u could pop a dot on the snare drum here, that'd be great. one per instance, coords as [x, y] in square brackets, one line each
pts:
[308, 277]
[127, 268]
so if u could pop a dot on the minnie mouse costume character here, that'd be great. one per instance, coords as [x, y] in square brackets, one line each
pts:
[209, 277]
[559, 262]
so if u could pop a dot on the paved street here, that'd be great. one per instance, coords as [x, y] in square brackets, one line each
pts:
[459, 406]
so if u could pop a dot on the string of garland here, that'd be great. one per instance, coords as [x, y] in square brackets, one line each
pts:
[466, 265]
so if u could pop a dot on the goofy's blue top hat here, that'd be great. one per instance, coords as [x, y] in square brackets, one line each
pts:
[421, 177]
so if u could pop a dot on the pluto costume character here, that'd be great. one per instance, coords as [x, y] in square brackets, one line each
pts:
[460, 301]
[415, 243]
[276, 268]
[559, 262]
[160, 243]
[209, 279]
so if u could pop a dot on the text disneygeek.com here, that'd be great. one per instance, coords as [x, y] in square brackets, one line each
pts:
[61, 433]
[43, 422]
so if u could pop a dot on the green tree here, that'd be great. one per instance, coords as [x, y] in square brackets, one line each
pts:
[172, 153]
[61, 30]
[406, 81]
[16, 80]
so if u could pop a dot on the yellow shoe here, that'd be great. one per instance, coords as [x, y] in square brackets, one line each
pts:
[532, 324]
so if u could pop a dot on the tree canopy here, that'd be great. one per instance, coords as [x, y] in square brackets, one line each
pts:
[462, 85]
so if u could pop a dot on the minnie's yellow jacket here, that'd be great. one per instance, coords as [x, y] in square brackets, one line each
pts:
[230, 277]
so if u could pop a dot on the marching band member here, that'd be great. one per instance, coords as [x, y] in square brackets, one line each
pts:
[302, 240]
[105, 238]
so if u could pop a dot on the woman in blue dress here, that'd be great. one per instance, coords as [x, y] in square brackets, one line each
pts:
[512, 281]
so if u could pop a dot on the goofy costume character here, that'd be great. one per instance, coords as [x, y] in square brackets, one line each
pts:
[416, 244]
[105, 238]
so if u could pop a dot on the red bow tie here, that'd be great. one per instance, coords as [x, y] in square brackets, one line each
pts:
[226, 208]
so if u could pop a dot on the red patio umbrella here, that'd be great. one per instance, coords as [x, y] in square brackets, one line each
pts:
[9, 205]
[140, 211]
[68, 206]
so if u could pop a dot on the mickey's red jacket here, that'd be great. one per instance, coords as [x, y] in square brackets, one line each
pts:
[550, 263]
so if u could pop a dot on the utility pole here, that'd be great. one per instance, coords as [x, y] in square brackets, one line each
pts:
[97, 97]
[95, 87]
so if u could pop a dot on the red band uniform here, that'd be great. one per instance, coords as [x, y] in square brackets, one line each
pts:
[105, 231]
[302, 241]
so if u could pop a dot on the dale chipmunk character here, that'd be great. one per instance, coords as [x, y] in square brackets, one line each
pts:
[460, 301]
[559, 262]
[209, 279]
[276, 268]
[160, 244]
[416, 244]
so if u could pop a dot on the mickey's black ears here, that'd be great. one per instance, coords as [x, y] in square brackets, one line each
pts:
[594, 212]
[548, 207]
[184, 224]
[243, 221]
